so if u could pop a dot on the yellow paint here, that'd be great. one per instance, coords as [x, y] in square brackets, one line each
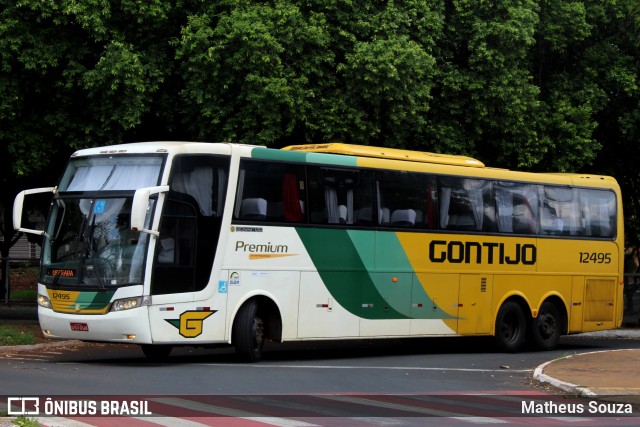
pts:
[191, 322]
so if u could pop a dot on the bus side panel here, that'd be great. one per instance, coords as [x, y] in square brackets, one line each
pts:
[395, 289]
[576, 304]
[435, 304]
[533, 288]
[474, 309]
[599, 303]
[320, 315]
[282, 287]
[186, 323]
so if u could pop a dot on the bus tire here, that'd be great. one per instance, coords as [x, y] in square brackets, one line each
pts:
[156, 353]
[511, 327]
[249, 333]
[546, 328]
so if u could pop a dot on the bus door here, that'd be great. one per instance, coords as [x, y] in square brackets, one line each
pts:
[184, 297]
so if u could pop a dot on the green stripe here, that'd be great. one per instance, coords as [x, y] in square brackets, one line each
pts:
[301, 157]
[90, 301]
[94, 300]
[344, 273]
[370, 279]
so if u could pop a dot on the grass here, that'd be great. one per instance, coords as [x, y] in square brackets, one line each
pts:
[25, 272]
[20, 333]
[22, 421]
[24, 294]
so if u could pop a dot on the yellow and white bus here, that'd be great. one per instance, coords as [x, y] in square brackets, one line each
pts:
[167, 244]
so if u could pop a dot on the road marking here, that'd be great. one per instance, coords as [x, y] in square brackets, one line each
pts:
[228, 412]
[413, 409]
[171, 421]
[34, 358]
[391, 368]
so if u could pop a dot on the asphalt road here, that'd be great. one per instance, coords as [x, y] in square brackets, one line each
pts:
[398, 383]
[452, 365]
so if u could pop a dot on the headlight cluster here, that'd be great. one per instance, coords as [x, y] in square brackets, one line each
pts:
[44, 301]
[126, 304]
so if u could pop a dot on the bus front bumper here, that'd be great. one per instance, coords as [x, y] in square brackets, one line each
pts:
[128, 326]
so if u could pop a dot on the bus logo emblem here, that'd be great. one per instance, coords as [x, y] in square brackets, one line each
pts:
[190, 323]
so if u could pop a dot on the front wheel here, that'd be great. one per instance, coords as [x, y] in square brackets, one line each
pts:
[249, 333]
[546, 328]
[511, 327]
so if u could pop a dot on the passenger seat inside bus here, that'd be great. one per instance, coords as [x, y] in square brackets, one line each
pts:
[253, 209]
[403, 218]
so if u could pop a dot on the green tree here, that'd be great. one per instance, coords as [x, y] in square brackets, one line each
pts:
[77, 74]
[302, 71]
[486, 101]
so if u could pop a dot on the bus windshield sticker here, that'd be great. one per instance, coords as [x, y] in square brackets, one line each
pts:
[234, 279]
[99, 207]
[222, 287]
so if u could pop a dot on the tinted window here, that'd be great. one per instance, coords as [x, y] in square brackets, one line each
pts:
[270, 191]
[341, 196]
[406, 199]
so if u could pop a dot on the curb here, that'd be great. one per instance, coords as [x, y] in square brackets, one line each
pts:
[539, 375]
[562, 385]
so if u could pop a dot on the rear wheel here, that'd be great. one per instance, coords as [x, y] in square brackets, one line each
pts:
[156, 353]
[511, 327]
[249, 333]
[547, 327]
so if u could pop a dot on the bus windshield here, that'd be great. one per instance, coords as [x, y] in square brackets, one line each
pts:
[88, 241]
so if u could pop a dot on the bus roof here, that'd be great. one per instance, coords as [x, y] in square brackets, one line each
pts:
[387, 153]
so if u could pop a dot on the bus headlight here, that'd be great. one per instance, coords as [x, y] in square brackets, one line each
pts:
[44, 301]
[126, 304]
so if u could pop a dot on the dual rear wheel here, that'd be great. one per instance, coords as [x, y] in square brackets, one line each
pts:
[513, 330]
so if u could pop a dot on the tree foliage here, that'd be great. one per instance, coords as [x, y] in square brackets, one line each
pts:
[529, 84]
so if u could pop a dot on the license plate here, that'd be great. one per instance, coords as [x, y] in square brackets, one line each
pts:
[82, 327]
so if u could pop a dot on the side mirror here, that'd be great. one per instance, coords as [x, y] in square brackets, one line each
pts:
[18, 206]
[141, 204]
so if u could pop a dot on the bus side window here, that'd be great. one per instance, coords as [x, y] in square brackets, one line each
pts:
[174, 270]
[517, 207]
[463, 203]
[190, 224]
[560, 213]
[597, 212]
[403, 199]
[272, 192]
[341, 196]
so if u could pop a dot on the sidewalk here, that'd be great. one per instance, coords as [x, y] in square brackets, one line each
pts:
[612, 375]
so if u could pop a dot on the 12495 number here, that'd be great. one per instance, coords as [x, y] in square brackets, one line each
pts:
[595, 258]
